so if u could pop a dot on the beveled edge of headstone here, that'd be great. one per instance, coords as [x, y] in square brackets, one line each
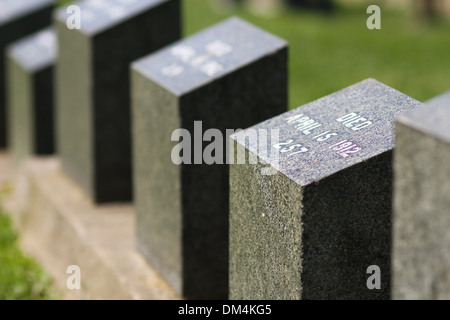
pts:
[104, 21]
[21, 8]
[433, 118]
[382, 133]
[145, 64]
[43, 46]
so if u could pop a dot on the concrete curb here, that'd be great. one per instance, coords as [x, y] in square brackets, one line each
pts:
[60, 226]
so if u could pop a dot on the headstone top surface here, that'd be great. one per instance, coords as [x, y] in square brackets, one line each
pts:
[12, 9]
[332, 133]
[36, 51]
[433, 118]
[208, 55]
[98, 15]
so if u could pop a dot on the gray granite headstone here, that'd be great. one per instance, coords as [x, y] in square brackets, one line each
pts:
[93, 89]
[310, 209]
[30, 94]
[18, 18]
[421, 219]
[229, 76]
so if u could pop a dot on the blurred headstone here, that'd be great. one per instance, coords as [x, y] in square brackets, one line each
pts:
[321, 5]
[421, 221]
[93, 89]
[265, 7]
[18, 18]
[30, 94]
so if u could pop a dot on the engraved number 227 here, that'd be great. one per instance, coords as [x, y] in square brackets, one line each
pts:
[287, 146]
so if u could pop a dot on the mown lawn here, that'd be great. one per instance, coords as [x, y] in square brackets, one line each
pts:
[330, 52]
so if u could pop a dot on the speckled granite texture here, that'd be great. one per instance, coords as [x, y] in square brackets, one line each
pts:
[421, 221]
[30, 94]
[18, 18]
[93, 89]
[229, 76]
[311, 230]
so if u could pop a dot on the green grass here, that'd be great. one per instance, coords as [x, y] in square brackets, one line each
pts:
[21, 278]
[327, 53]
[330, 52]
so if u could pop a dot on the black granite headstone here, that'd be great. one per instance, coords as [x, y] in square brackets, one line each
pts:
[30, 94]
[312, 227]
[229, 76]
[18, 18]
[421, 221]
[92, 77]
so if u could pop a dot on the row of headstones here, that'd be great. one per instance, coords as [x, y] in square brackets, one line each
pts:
[306, 205]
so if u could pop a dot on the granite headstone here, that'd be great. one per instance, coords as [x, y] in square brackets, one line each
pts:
[229, 76]
[18, 18]
[30, 94]
[93, 90]
[421, 219]
[310, 207]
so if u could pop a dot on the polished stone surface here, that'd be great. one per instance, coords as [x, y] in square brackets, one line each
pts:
[232, 75]
[314, 213]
